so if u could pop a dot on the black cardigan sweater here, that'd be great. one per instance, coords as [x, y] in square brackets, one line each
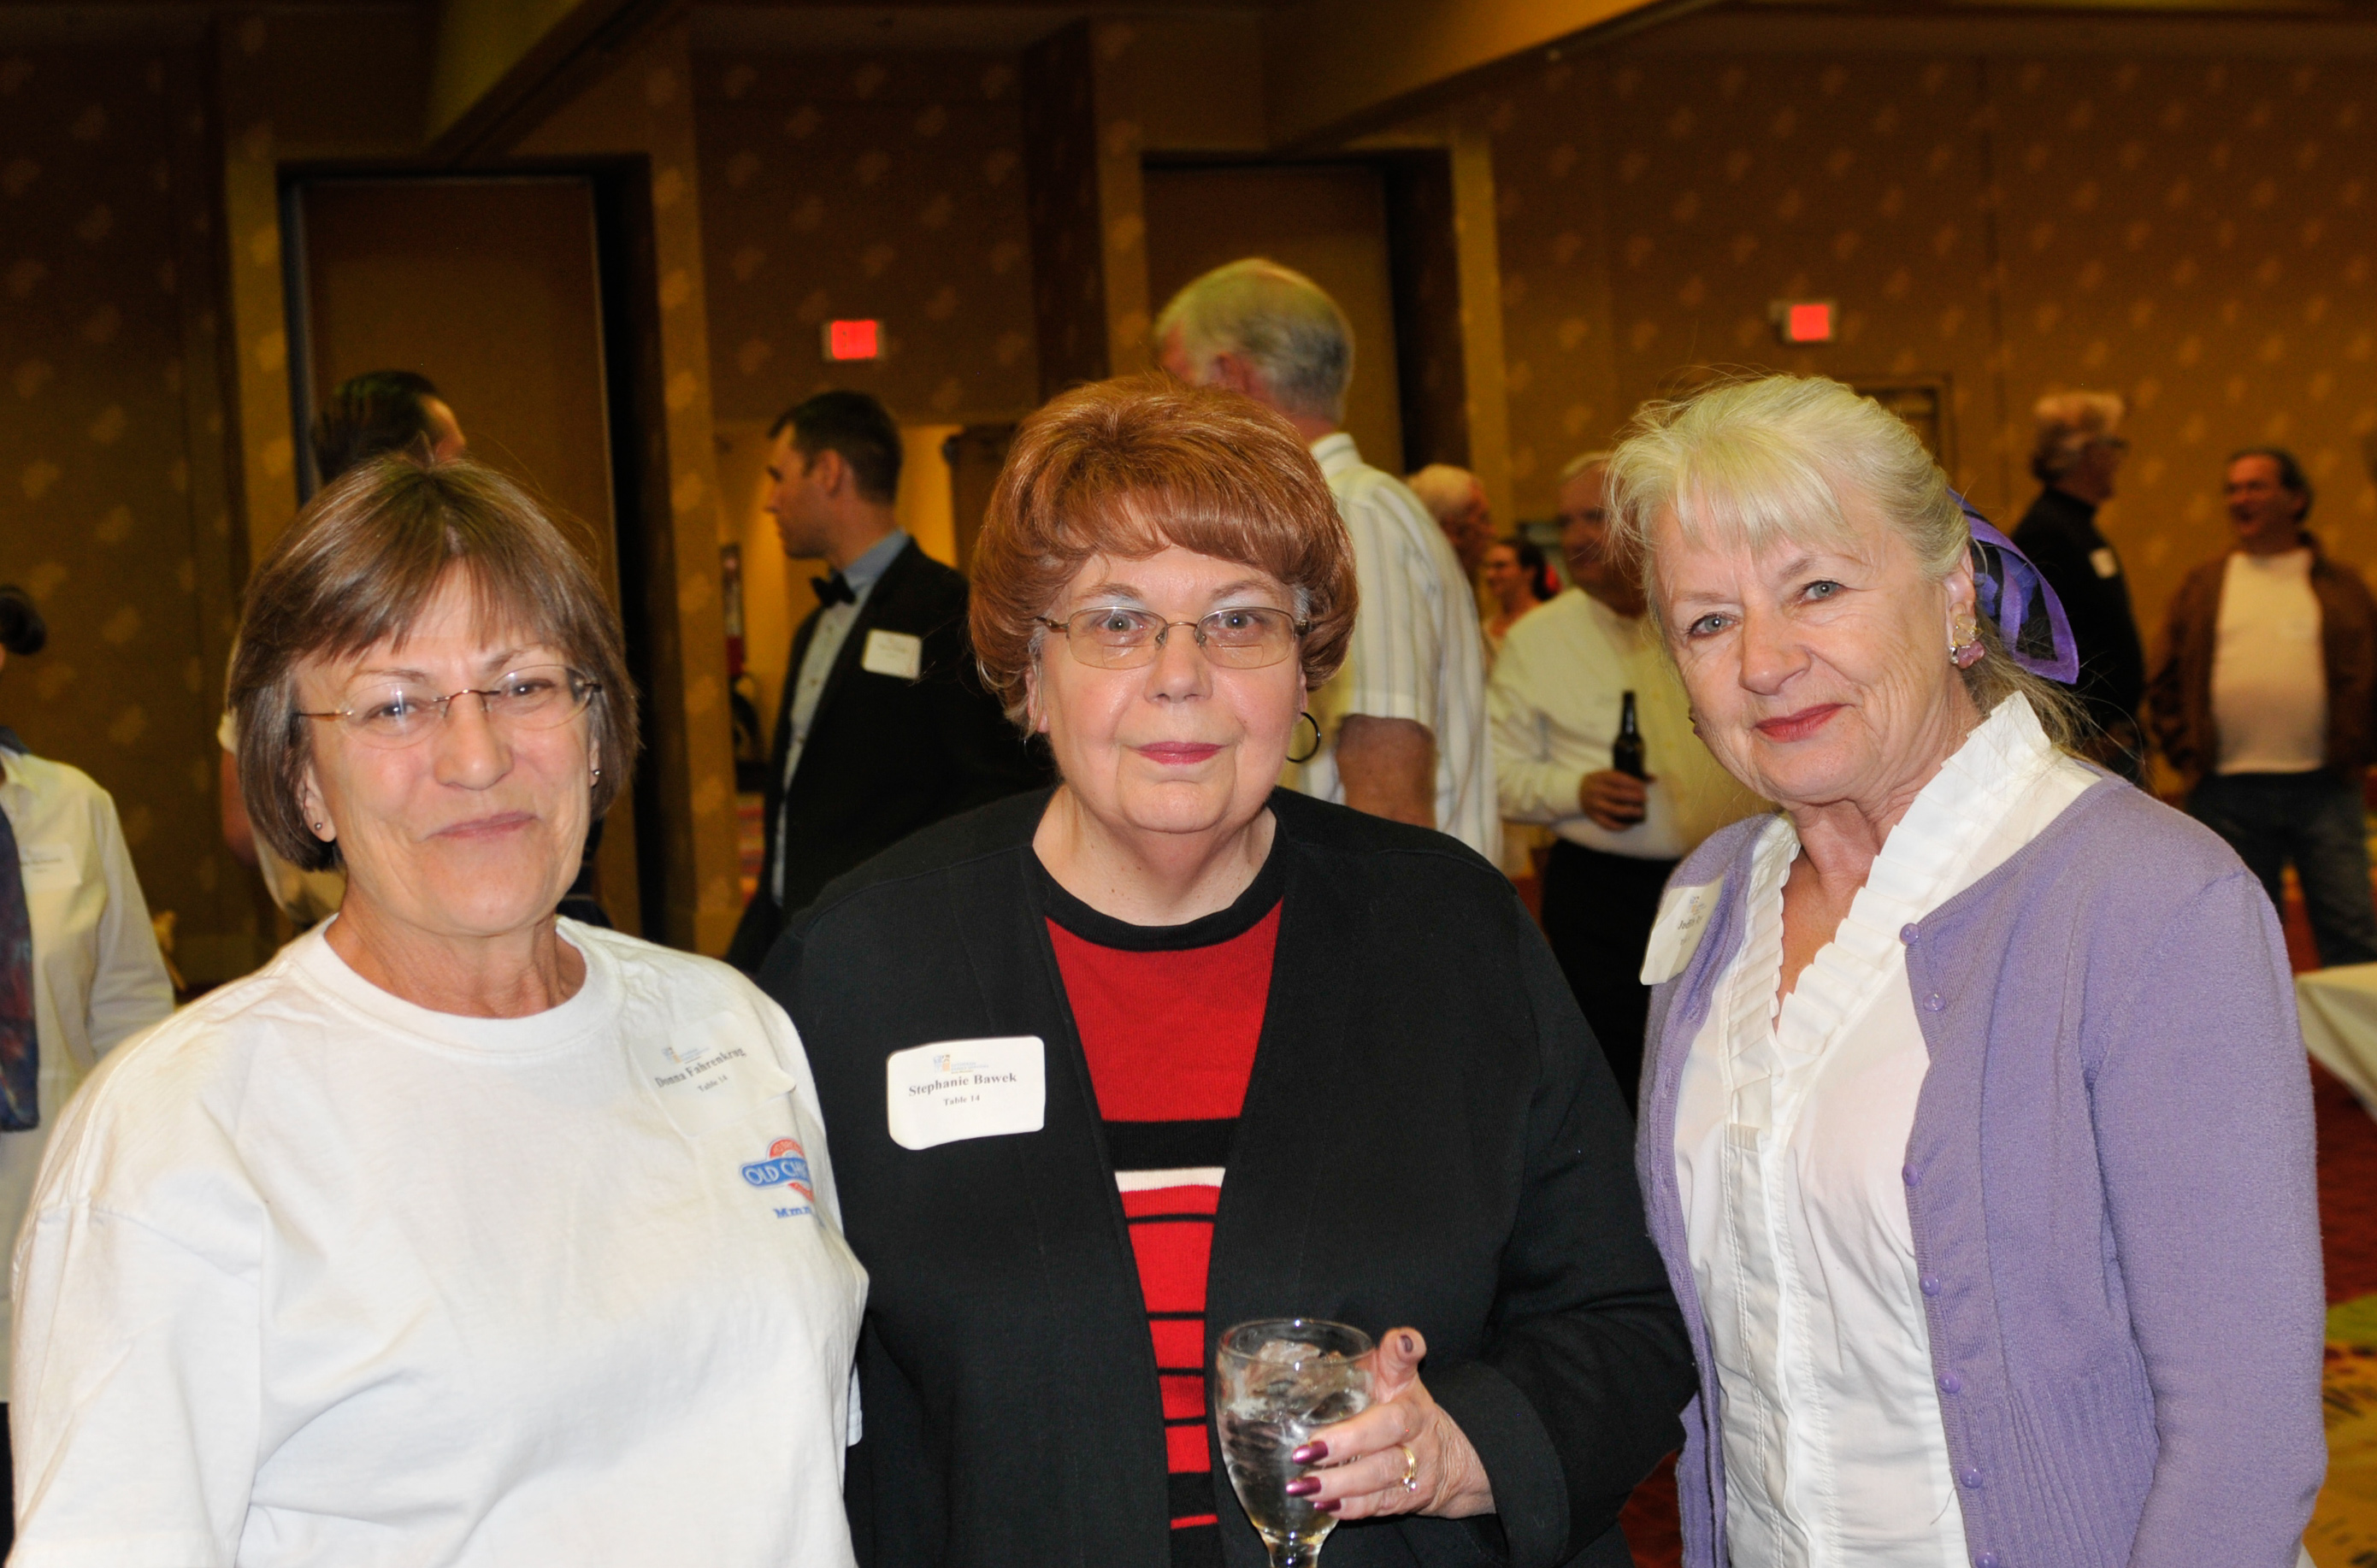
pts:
[1429, 1137]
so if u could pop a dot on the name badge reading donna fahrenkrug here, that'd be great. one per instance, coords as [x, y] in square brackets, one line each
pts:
[893, 653]
[958, 1089]
[708, 1072]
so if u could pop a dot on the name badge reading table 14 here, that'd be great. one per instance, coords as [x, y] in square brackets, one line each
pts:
[957, 1089]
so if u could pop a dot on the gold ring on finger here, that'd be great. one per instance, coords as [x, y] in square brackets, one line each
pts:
[1411, 1468]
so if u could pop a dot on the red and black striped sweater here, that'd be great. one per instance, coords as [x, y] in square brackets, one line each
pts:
[1169, 1017]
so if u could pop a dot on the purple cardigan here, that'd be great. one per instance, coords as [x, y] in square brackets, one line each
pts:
[2111, 1183]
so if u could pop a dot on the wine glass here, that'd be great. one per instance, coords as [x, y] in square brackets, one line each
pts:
[1277, 1382]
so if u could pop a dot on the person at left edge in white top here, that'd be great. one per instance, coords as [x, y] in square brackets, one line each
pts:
[1399, 731]
[461, 1233]
[80, 969]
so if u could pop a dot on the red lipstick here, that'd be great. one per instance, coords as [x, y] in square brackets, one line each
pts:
[1177, 753]
[1799, 725]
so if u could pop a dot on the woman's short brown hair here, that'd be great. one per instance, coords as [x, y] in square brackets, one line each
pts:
[1126, 468]
[357, 568]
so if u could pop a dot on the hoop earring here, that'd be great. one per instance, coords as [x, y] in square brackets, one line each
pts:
[1306, 718]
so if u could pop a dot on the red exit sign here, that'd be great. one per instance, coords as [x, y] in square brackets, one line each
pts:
[854, 340]
[1805, 320]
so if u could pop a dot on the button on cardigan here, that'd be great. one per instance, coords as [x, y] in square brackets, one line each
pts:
[2111, 1195]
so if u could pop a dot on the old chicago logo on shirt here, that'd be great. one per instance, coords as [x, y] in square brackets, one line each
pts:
[787, 1164]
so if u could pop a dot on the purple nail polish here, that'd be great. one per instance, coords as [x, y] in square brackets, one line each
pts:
[1303, 1486]
[1410, 1348]
[1330, 1506]
[1310, 1453]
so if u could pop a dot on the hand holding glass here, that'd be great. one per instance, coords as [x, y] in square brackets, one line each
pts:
[1277, 1382]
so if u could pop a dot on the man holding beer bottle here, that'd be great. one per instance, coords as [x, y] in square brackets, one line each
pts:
[1592, 736]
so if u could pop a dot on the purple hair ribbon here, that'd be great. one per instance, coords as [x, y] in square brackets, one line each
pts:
[2012, 593]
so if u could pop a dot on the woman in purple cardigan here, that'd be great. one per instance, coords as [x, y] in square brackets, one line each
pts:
[1976, 1129]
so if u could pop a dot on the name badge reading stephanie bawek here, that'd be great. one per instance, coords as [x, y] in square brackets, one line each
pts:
[957, 1089]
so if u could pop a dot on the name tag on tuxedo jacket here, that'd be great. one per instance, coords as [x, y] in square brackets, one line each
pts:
[893, 653]
[957, 1089]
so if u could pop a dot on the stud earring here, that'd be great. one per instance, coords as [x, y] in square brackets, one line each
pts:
[1966, 651]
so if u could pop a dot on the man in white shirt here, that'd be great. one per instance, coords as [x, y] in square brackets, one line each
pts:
[1556, 698]
[2264, 699]
[1403, 724]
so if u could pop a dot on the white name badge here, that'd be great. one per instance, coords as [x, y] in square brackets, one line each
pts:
[955, 1089]
[44, 867]
[893, 653]
[710, 1073]
[1675, 934]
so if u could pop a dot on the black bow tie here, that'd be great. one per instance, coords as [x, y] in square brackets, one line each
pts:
[833, 589]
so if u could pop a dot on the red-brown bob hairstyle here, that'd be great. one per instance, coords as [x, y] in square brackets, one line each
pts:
[357, 568]
[1124, 469]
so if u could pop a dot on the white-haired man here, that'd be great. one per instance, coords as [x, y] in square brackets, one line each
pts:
[1456, 498]
[1403, 725]
[2077, 455]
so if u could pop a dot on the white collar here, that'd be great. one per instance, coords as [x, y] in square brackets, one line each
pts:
[1972, 793]
[1335, 453]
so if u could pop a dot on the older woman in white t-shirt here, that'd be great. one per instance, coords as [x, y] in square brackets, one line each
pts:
[459, 1233]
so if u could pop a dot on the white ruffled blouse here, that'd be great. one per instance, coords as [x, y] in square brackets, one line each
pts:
[1791, 1134]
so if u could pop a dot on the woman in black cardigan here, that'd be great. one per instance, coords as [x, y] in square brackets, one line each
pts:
[1110, 1068]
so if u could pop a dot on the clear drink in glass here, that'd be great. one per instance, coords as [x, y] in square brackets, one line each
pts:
[1277, 1382]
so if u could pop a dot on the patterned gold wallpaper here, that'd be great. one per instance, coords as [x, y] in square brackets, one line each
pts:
[112, 510]
[2196, 233]
[858, 186]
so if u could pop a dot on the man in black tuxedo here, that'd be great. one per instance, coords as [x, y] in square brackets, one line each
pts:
[884, 726]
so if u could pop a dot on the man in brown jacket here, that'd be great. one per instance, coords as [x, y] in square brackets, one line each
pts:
[2267, 702]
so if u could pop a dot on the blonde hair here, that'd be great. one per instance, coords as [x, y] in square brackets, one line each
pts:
[1750, 464]
[2068, 422]
[1280, 321]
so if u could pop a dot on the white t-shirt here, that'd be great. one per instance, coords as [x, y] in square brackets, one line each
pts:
[1791, 1130]
[1417, 652]
[315, 1275]
[1556, 698]
[97, 978]
[2269, 682]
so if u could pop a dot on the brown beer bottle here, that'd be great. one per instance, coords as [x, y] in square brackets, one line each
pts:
[1626, 751]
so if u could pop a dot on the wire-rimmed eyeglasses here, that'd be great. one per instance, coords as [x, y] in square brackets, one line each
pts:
[390, 711]
[1117, 637]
